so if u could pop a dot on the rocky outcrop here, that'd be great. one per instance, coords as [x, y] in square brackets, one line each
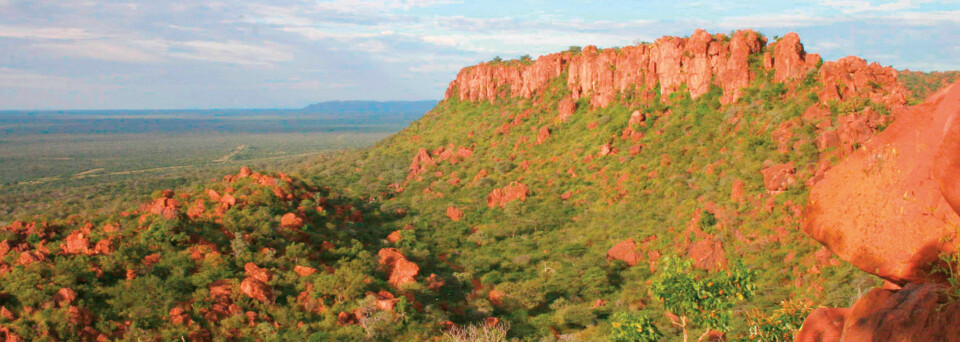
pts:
[420, 163]
[699, 61]
[513, 192]
[401, 270]
[708, 254]
[852, 76]
[164, 206]
[887, 210]
[789, 58]
[881, 208]
[256, 289]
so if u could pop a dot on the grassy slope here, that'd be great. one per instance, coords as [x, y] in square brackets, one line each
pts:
[550, 253]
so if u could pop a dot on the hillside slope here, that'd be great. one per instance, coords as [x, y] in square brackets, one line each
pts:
[573, 197]
[529, 172]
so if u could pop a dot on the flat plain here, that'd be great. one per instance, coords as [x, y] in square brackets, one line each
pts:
[72, 156]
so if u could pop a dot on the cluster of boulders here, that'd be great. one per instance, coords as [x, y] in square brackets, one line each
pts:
[890, 208]
[426, 159]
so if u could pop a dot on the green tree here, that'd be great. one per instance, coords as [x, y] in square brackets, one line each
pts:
[700, 297]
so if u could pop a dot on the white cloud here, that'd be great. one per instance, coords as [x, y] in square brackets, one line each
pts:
[301, 84]
[777, 21]
[13, 78]
[339, 34]
[234, 52]
[134, 51]
[858, 6]
[926, 18]
[24, 32]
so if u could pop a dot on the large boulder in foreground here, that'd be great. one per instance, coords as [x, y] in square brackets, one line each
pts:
[882, 209]
[823, 324]
[918, 312]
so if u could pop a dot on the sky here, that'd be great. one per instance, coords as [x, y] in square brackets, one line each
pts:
[157, 54]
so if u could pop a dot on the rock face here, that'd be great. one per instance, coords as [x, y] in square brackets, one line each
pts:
[881, 208]
[887, 210]
[699, 61]
[789, 59]
[947, 162]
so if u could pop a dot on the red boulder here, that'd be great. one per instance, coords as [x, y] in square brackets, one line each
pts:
[822, 325]
[65, 296]
[881, 209]
[454, 214]
[543, 135]
[513, 192]
[918, 312]
[625, 251]
[256, 289]
[708, 254]
[401, 270]
[566, 109]
[76, 243]
[779, 177]
[261, 274]
[291, 220]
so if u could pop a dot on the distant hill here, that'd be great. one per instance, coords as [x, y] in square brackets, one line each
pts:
[374, 107]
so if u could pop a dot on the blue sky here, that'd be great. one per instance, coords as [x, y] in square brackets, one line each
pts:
[83, 54]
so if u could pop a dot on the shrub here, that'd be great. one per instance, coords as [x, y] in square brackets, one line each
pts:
[633, 327]
[479, 332]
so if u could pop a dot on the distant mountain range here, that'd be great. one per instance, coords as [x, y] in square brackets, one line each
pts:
[374, 107]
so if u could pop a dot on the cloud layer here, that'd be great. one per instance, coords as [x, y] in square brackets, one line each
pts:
[67, 54]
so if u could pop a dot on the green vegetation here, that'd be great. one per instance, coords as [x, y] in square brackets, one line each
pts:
[924, 84]
[532, 269]
[781, 324]
[706, 300]
[632, 327]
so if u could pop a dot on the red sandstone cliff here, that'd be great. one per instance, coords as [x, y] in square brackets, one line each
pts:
[698, 61]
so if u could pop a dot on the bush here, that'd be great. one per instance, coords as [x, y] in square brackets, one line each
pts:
[633, 327]
[480, 332]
